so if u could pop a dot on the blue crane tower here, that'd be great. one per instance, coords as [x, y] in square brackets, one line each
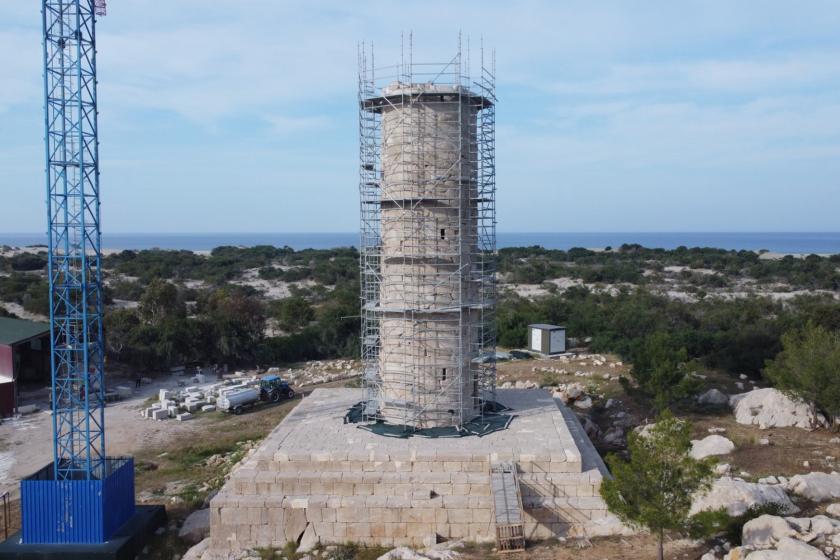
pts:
[72, 150]
[83, 496]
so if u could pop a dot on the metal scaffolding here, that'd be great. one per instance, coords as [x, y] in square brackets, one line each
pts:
[428, 239]
[72, 161]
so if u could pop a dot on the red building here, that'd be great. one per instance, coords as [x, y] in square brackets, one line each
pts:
[24, 358]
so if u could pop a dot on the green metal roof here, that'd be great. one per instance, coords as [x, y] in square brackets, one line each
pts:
[13, 331]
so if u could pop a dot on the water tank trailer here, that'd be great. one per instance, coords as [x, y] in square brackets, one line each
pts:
[271, 389]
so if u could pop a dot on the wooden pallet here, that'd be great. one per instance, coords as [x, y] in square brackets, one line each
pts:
[507, 507]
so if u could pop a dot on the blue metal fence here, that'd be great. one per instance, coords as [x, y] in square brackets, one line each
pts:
[77, 511]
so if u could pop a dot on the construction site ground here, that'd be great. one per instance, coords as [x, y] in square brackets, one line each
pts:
[180, 463]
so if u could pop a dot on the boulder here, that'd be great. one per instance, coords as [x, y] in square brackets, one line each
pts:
[575, 390]
[644, 431]
[736, 496]
[711, 445]
[584, 403]
[558, 394]
[433, 553]
[615, 436]
[765, 531]
[737, 553]
[833, 510]
[816, 486]
[713, 397]
[793, 548]
[402, 553]
[767, 555]
[770, 408]
[822, 525]
[196, 526]
[197, 551]
[590, 427]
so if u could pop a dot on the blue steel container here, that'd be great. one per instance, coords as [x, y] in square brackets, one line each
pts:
[77, 511]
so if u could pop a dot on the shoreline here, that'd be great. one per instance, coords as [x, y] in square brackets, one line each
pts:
[11, 250]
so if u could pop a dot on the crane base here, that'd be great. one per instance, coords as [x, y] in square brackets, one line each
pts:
[125, 544]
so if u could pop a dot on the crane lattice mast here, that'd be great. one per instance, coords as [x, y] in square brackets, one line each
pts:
[72, 172]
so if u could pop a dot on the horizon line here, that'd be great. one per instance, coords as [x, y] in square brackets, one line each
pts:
[35, 233]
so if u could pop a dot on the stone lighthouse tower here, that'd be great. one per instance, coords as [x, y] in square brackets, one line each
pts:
[428, 245]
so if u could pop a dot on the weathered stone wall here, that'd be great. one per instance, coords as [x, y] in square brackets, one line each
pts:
[429, 236]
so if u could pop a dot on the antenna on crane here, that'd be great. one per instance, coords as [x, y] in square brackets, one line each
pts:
[100, 8]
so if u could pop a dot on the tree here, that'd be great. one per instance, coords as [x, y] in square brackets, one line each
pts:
[235, 322]
[654, 488]
[661, 369]
[161, 302]
[120, 325]
[292, 313]
[808, 367]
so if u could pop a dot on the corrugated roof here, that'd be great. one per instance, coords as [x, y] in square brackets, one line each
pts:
[13, 331]
[545, 327]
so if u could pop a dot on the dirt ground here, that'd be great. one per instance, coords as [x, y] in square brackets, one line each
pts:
[641, 547]
[26, 441]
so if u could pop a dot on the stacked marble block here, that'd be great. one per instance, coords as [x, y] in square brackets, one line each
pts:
[340, 483]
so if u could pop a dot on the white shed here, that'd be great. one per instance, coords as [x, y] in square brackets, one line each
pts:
[546, 339]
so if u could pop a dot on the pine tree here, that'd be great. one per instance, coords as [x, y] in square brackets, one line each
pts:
[654, 488]
[809, 368]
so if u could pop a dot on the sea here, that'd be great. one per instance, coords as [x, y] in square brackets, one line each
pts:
[776, 242]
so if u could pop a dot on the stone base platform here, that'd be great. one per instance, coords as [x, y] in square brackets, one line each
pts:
[319, 478]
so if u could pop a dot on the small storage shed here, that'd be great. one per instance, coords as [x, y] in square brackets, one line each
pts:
[546, 339]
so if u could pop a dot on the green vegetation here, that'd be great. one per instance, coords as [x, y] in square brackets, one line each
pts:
[660, 367]
[223, 322]
[809, 367]
[718, 522]
[334, 331]
[28, 290]
[534, 265]
[292, 313]
[653, 489]
[225, 263]
[194, 307]
[735, 335]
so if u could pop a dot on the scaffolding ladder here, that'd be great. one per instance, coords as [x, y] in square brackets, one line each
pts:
[507, 507]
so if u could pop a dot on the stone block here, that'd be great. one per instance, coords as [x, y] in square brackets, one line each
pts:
[294, 524]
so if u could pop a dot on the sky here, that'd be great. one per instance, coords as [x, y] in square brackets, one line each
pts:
[240, 115]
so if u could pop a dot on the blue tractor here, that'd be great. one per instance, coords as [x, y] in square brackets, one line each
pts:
[273, 389]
